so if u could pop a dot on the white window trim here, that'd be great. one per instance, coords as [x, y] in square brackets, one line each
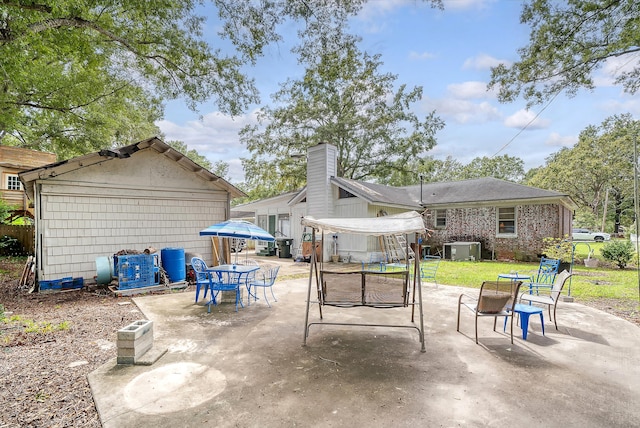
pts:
[6, 182]
[515, 223]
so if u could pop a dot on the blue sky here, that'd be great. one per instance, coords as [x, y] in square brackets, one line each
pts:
[449, 53]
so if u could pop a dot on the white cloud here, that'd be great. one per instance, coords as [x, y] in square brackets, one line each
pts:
[483, 62]
[526, 118]
[613, 67]
[626, 103]
[458, 5]
[471, 89]
[374, 9]
[417, 56]
[215, 137]
[557, 140]
[463, 111]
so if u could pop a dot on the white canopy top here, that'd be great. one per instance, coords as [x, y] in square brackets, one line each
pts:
[408, 222]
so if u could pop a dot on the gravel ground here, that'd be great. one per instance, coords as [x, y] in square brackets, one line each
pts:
[50, 342]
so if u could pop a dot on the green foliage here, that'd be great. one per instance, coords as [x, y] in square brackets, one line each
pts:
[619, 251]
[82, 76]
[504, 167]
[558, 248]
[31, 326]
[601, 162]
[569, 41]
[5, 211]
[345, 100]
[11, 246]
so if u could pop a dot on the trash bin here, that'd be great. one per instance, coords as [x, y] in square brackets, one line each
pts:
[284, 247]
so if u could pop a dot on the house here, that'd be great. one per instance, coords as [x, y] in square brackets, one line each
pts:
[138, 196]
[509, 220]
[14, 160]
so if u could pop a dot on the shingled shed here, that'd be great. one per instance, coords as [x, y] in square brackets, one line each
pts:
[142, 195]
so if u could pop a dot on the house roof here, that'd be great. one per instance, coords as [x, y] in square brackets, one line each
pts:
[377, 193]
[283, 199]
[477, 191]
[107, 155]
[482, 190]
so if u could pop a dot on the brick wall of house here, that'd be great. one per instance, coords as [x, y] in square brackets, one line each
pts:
[534, 222]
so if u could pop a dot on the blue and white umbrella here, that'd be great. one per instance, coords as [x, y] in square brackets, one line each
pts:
[238, 229]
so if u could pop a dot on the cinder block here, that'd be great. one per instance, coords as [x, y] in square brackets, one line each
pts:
[134, 341]
[135, 330]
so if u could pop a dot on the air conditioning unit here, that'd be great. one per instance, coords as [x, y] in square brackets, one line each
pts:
[462, 251]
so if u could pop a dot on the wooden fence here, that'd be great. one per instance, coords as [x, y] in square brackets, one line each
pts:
[25, 236]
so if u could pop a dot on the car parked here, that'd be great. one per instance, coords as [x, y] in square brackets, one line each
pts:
[588, 235]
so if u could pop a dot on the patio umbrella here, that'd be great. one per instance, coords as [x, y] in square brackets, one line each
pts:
[238, 229]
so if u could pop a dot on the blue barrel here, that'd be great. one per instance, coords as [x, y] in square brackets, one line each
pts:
[173, 263]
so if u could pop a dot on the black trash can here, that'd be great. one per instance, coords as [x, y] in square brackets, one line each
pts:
[284, 247]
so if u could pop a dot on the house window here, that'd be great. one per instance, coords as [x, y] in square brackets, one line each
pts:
[440, 218]
[284, 226]
[13, 182]
[507, 221]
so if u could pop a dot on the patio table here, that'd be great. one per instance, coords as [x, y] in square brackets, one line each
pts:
[515, 276]
[230, 277]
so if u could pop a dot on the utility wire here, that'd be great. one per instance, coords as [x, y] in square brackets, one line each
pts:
[527, 125]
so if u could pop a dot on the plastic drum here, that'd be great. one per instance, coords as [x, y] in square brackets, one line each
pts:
[173, 263]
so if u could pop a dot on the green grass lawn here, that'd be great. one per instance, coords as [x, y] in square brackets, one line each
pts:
[585, 283]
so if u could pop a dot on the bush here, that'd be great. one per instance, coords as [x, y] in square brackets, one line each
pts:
[620, 252]
[10, 246]
[558, 248]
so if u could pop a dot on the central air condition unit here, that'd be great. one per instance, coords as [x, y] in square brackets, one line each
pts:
[462, 251]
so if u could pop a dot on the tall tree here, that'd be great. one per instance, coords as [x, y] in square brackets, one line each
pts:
[505, 167]
[568, 42]
[600, 164]
[342, 99]
[76, 76]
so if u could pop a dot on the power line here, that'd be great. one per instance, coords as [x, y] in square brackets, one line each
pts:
[527, 125]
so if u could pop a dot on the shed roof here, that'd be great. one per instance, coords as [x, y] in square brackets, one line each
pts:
[107, 155]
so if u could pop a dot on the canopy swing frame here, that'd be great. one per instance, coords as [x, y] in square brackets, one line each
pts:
[412, 282]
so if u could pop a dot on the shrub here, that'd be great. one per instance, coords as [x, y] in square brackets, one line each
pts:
[620, 252]
[558, 248]
[10, 246]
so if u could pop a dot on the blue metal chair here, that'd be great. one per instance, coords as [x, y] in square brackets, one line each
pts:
[202, 276]
[264, 279]
[225, 281]
[545, 276]
[429, 268]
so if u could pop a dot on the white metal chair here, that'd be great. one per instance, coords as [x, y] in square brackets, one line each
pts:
[550, 299]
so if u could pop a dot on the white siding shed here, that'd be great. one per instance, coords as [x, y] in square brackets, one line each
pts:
[143, 195]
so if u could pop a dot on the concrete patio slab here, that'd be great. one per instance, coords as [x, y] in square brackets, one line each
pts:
[249, 368]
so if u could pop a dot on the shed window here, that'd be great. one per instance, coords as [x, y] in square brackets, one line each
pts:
[13, 182]
[440, 218]
[507, 221]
